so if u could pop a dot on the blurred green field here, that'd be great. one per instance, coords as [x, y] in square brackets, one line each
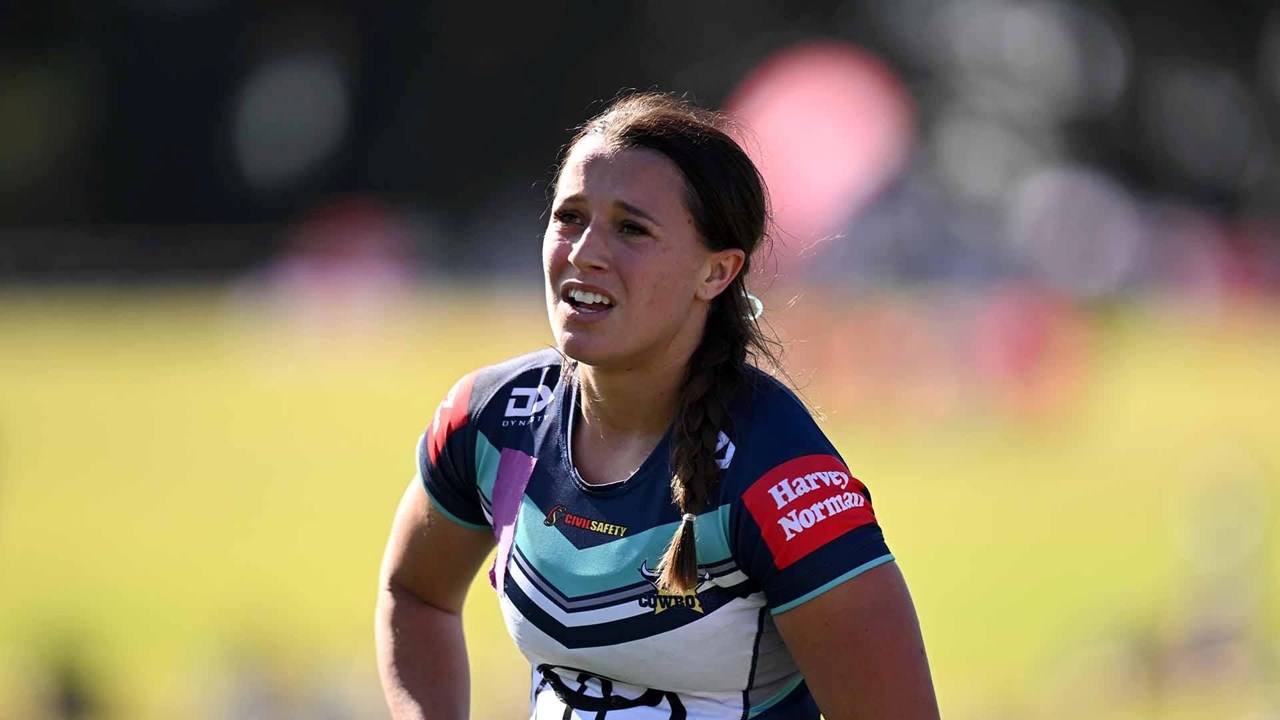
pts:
[191, 477]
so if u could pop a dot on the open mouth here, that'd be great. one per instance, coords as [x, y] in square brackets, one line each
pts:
[585, 301]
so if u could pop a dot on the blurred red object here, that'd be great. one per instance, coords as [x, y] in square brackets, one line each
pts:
[829, 125]
[1032, 347]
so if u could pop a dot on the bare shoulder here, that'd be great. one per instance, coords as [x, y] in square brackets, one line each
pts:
[430, 555]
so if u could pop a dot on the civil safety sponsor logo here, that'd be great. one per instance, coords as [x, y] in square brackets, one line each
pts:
[560, 515]
[805, 503]
[662, 600]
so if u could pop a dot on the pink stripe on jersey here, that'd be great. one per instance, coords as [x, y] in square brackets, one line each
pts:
[514, 470]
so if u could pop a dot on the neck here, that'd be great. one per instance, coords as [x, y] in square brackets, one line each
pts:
[631, 401]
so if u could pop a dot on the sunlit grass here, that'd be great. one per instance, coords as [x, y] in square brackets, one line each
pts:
[187, 478]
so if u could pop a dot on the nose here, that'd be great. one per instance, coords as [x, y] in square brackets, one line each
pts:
[590, 251]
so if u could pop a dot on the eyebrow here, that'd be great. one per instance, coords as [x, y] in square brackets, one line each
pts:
[637, 211]
[620, 203]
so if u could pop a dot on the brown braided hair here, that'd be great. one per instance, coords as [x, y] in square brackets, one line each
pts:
[725, 195]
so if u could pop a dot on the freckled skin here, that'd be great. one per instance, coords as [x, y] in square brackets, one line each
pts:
[650, 266]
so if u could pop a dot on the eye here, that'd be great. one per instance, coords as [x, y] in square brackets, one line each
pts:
[630, 228]
[567, 217]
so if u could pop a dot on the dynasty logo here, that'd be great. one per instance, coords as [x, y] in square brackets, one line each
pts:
[660, 599]
[526, 405]
[561, 514]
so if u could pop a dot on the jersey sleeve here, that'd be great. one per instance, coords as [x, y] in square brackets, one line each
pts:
[446, 464]
[805, 526]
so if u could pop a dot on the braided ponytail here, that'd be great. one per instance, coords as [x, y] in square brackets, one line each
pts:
[725, 195]
[717, 370]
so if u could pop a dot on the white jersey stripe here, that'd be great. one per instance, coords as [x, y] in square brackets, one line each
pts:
[581, 618]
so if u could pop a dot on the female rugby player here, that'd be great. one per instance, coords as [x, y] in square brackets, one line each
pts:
[675, 536]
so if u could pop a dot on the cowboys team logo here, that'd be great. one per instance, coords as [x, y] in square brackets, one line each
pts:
[661, 599]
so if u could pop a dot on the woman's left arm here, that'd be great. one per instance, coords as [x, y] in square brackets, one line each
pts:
[859, 648]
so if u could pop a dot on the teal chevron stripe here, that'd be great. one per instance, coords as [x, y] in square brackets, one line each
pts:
[445, 510]
[576, 572]
[843, 578]
[757, 709]
[487, 457]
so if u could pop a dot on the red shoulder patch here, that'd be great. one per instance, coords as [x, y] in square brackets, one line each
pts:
[805, 503]
[450, 415]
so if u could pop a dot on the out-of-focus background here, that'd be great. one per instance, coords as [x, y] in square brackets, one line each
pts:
[1027, 262]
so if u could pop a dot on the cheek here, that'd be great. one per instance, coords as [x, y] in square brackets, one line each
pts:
[669, 286]
[554, 255]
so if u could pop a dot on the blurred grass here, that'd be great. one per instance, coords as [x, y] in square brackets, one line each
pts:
[188, 475]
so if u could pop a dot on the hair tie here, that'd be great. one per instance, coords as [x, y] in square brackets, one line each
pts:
[688, 517]
[757, 307]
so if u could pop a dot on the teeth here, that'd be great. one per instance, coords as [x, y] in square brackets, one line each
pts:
[583, 296]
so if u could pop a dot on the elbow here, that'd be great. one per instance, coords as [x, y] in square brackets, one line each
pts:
[397, 599]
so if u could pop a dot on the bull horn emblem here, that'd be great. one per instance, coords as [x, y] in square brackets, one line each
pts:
[652, 575]
[647, 573]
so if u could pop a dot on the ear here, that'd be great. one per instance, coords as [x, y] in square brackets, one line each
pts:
[721, 267]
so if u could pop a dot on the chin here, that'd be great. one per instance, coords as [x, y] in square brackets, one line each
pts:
[587, 350]
[583, 352]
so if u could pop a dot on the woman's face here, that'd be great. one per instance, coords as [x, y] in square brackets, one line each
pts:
[629, 281]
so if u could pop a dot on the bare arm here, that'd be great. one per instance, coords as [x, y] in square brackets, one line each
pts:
[860, 650]
[428, 566]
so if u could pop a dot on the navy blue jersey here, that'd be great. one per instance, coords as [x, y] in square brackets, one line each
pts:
[577, 586]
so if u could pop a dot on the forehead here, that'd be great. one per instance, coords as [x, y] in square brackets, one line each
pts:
[635, 175]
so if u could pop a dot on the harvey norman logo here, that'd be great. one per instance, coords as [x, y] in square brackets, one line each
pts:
[805, 503]
[788, 490]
